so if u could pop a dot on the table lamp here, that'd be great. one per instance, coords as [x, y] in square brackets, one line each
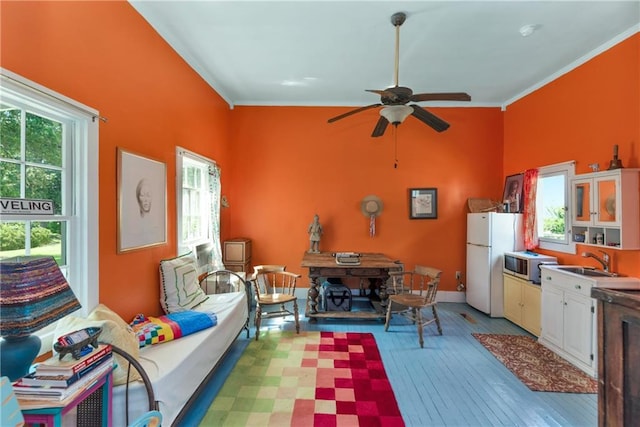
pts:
[33, 294]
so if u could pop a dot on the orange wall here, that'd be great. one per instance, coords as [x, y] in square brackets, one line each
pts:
[282, 165]
[106, 56]
[580, 116]
[290, 164]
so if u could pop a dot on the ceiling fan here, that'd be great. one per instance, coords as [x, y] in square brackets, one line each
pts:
[395, 98]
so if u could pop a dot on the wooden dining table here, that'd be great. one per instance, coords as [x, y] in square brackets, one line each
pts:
[323, 265]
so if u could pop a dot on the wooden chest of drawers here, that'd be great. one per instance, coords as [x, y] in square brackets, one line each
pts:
[236, 254]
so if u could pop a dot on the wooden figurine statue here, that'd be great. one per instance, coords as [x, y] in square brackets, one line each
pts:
[315, 231]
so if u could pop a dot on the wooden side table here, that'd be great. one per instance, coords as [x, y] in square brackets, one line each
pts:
[96, 395]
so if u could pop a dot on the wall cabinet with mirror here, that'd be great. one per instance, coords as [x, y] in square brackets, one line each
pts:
[606, 209]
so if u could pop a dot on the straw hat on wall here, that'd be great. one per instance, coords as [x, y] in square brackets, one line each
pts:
[371, 206]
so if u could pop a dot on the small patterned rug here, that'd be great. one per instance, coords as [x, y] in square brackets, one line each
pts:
[536, 366]
[318, 379]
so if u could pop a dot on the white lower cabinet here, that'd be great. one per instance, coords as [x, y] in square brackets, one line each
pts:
[569, 319]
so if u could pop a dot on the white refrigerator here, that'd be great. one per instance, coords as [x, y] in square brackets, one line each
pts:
[489, 236]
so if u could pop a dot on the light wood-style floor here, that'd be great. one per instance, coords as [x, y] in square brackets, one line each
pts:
[453, 381]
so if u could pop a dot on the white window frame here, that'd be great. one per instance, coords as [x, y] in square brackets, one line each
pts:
[81, 189]
[568, 170]
[181, 155]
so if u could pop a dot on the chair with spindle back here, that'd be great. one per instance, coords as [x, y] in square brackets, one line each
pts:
[274, 287]
[412, 292]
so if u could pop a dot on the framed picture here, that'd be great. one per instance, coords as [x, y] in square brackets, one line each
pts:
[512, 196]
[423, 203]
[142, 202]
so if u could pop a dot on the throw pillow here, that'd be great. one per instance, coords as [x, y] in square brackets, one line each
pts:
[179, 287]
[114, 331]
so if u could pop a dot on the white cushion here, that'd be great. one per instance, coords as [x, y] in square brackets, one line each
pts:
[179, 287]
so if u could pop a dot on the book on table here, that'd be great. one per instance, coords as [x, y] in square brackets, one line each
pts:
[68, 365]
[62, 393]
[63, 380]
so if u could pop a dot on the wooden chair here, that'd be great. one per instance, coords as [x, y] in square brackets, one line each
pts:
[274, 287]
[413, 291]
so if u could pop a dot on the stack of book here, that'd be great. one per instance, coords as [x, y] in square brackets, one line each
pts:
[56, 379]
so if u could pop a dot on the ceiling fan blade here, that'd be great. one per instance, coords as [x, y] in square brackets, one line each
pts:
[348, 113]
[381, 126]
[430, 119]
[446, 96]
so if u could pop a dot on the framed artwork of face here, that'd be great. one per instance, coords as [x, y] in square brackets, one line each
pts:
[512, 195]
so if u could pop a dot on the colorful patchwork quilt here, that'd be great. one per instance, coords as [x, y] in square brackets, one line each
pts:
[157, 330]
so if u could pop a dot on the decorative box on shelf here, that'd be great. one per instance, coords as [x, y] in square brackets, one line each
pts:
[237, 254]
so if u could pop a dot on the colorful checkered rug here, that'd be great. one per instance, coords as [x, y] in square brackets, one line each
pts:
[319, 379]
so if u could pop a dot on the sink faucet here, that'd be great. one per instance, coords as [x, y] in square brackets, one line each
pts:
[604, 260]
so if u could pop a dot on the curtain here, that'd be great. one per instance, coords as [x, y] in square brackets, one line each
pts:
[214, 193]
[530, 185]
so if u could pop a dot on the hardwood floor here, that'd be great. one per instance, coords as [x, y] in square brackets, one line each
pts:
[453, 381]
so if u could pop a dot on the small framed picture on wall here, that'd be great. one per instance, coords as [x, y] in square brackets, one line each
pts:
[423, 203]
[512, 195]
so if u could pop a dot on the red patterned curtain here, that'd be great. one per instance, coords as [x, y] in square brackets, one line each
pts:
[530, 185]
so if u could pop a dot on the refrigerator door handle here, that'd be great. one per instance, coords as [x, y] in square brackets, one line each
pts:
[476, 244]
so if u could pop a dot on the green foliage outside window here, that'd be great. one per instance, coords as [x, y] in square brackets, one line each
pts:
[553, 224]
[12, 236]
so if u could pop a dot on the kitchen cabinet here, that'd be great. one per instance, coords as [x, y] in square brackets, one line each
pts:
[606, 209]
[568, 323]
[522, 303]
[618, 353]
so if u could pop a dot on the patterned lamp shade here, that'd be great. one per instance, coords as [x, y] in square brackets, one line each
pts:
[33, 294]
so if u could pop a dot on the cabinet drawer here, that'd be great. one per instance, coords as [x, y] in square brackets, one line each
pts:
[366, 272]
[566, 282]
[237, 251]
[238, 267]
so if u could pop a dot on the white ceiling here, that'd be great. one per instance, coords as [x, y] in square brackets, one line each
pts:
[324, 52]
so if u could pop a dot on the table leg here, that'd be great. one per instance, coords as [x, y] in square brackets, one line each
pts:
[384, 298]
[312, 298]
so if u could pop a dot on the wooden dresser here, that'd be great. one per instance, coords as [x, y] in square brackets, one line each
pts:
[618, 357]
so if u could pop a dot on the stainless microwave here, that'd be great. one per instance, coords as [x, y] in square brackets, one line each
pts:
[526, 265]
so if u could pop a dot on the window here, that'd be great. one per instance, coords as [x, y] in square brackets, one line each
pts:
[198, 205]
[553, 207]
[49, 150]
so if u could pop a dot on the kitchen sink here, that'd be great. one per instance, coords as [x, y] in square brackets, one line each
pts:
[598, 278]
[587, 271]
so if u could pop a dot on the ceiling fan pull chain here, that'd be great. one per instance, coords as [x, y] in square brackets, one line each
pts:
[395, 147]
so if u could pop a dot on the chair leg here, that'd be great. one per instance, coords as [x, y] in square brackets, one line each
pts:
[388, 316]
[435, 316]
[295, 315]
[418, 318]
[258, 320]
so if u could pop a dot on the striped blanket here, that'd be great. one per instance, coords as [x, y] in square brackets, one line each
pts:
[157, 330]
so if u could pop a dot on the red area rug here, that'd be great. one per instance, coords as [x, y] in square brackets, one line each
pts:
[536, 366]
[321, 379]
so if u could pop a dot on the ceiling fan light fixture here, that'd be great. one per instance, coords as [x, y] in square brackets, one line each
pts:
[396, 114]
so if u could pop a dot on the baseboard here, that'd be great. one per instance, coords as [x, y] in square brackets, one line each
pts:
[451, 296]
[443, 296]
